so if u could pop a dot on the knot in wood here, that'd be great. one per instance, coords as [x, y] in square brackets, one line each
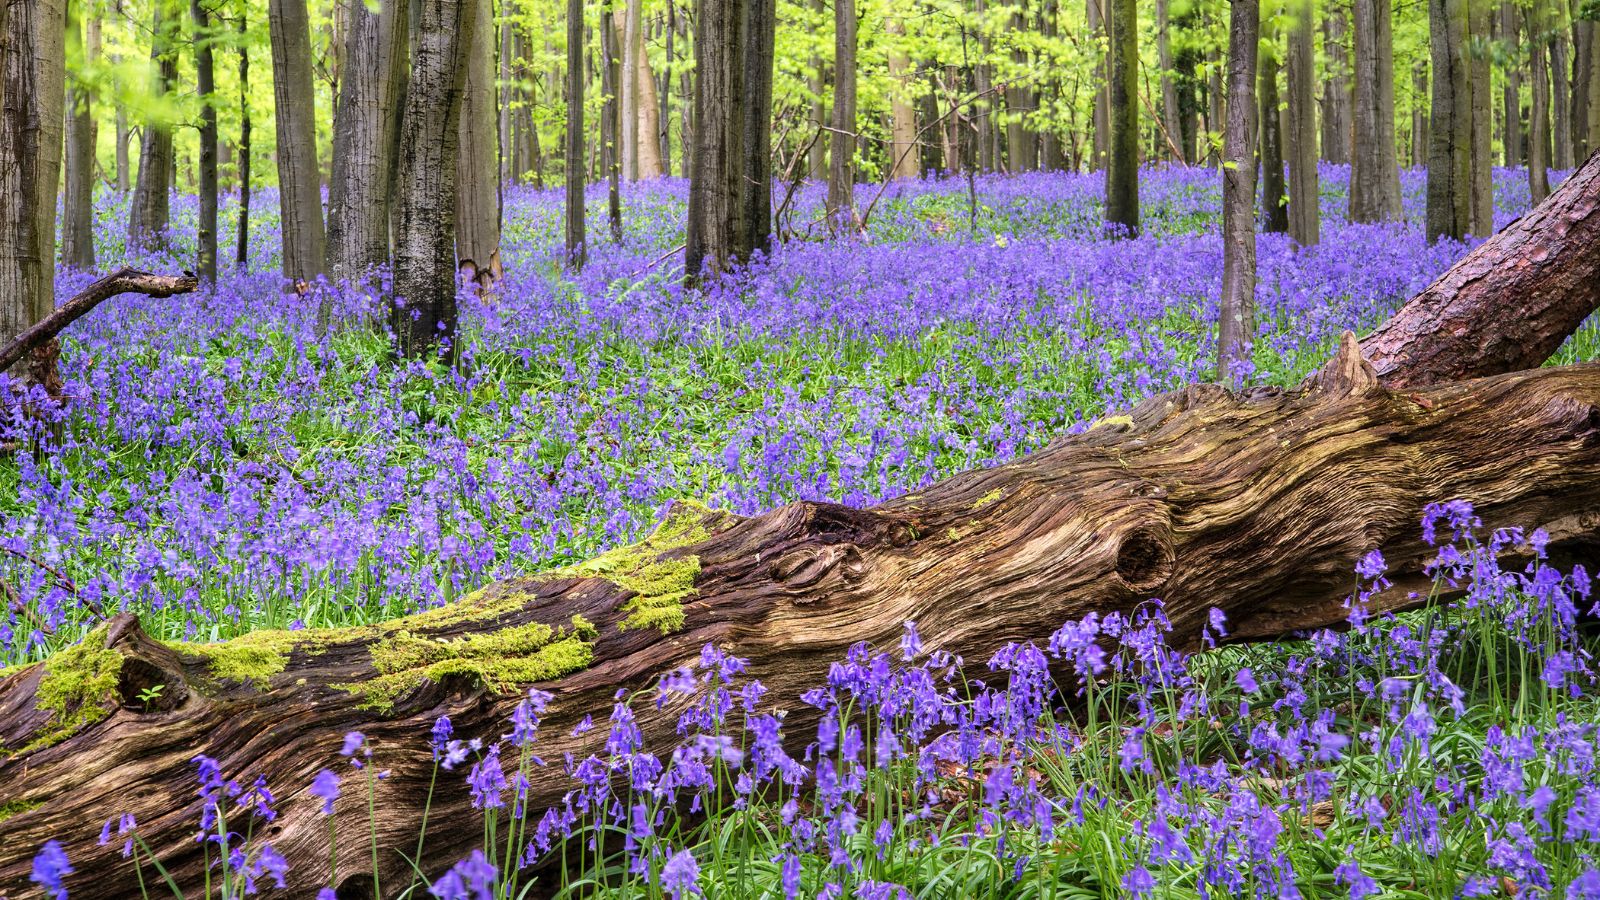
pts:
[806, 566]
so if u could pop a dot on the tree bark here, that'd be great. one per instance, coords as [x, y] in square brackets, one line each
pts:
[1022, 148]
[1510, 303]
[1274, 206]
[1254, 504]
[648, 120]
[1450, 133]
[125, 280]
[1304, 214]
[1481, 219]
[477, 188]
[610, 119]
[148, 212]
[1336, 126]
[206, 88]
[1582, 77]
[424, 314]
[299, 178]
[572, 149]
[242, 250]
[1122, 163]
[364, 134]
[1560, 90]
[1236, 313]
[1375, 170]
[1100, 111]
[841, 203]
[1169, 88]
[77, 206]
[1511, 115]
[904, 162]
[1539, 111]
[630, 47]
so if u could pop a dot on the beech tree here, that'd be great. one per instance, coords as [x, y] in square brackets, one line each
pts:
[148, 208]
[205, 87]
[366, 127]
[577, 248]
[1302, 133]
[477, 182]
[299, 180]
[841, 203]
[77, 207]
[1274, 203]
[1375, 169]
[1236, 315]
[1122, 151]
[1450, 127]
[1336, 124]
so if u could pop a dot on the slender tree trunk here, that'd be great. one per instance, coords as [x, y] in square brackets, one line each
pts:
[148, 210]
[1274, 204]
[1375, 170]
[424, 314]
[1216, 104]
[818, 83]
[1511, 116]
[841, 204]
[299, 178]
[1560, 90]
[1450, 141]
[1122, 164]
[364, 134]
[1236, 317]
[1169, 87]
[1582, 76]
[572, 149]
[610, 120]
[904, 160]
[753, 173]
[77, 232]
[648, 122]
[1021, 148]
[477, 187]
[241, 254]
[1481, 220]
[1336, 126]
[124, 136]
[982, 82]
[630, 45]
[1304, 187]
[508, 93]
[1539, 111]
[1051, 156]
[687, 110]
[1419, 113]
[205, 84]
[32, 86]
[664, 125]
[1101, 111]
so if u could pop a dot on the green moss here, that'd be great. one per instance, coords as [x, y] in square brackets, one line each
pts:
[18, 807]
[79, 688]
[660, 586]
[988, 498]
[499, 660]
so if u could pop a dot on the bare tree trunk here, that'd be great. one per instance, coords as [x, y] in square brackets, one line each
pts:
[1274, 206]
[648, 122]
[1216, 103]
[1582, 77]
[1511, 116]
[1236, 316]
[1051, 156]
[664, 89]
[508, 101]
[1450, 141]
[1022, 150]
[610, 119]
[1304, 214]
[123, 137]
[1539, 113]
[299, 178]
[1101, 111]
[477, 187]
[1169, 88]
[630, 45]
[77, 231]
[989, 155]
[1375, 171]
[148, 210]
[1419, 113]
[242, 250]
[904, 160]
[841, 204]
[572, 149]
[1481, 219]
[1122, 163]
[424, 316]
[818, 83]
[1336, 125]
[364, 135]
[1560, 89]
[32, 88]
[206, 87]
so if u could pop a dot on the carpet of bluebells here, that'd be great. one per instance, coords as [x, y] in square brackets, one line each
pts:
[221, 465]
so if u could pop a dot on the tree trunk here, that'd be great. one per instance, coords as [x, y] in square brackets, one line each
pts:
[610, 119]
[664, 89]
[1274, 207]
[32, 88]
[841, 203]
[1582, 76]
[1375, 171]
[1539, 113]
[904, 161]
[147, 211]
[1419, 113]
[477, 188]
[1510, 303]
[1254, 504]
[424, 313]
[77, 206]
[1216, 103]
[123, 137]
[1100, 112]
[242, 250]
[1304, 215]
[205, 86]
[1022, 150]
[364, 133]
[1481, 200]
[1560, 91]
[1336, 125]
[299, 179]
[630, 45]
[1169, 88]
[817, 82]
[1122, 163]
[1236, 313]
[1511, 115]
[648, 121]
[572, 149]
[1450, 137]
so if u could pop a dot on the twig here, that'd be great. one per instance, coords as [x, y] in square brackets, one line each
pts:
[126, 280]
[955, 108]
[657, 261]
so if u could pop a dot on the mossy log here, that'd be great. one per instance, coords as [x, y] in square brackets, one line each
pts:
[1256, 504]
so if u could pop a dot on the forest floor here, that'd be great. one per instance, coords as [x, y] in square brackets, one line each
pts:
[220, 467]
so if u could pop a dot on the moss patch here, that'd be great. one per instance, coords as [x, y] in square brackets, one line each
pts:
[988, 498]
[18, 807]
[79, 688]
[660, 586]
[499, 660]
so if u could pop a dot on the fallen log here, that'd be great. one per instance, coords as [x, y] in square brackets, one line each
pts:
[126, 280]
[1256, 504]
